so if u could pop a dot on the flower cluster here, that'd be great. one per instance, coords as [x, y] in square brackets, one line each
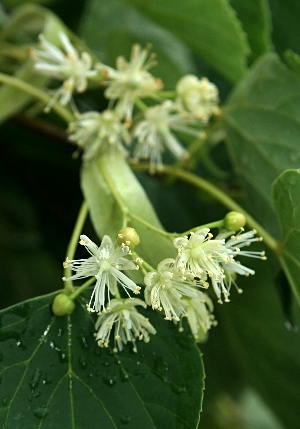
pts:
[174, 289]
[152, 128]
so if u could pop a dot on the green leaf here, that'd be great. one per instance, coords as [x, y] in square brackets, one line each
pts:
[263, 126]
[105, 213]
[54, 375]
[256, 20]
[286, 195]
[210, 29]
[262, 347]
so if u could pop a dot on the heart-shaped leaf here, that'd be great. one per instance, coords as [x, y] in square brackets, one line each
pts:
[54, 375]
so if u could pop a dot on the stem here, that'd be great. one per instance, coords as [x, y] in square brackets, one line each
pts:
[151, 227]
[219, 195]
[216, 224]
[167, 94]
[71, 249]
[141, 105]
[81, 289]
[36, 93]
[144, 266]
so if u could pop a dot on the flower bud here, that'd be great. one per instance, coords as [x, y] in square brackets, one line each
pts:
[234, 221]
[62, 305]
[129, 237]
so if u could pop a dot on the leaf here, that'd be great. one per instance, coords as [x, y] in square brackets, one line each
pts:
[261, 347]
[286, 195]
[256, 20]
[54, 375]
[105, 213]
[263, 126]
[210, 29]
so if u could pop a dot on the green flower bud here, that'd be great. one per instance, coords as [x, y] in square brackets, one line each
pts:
[234, 221]
[129, 237]
[62, 305]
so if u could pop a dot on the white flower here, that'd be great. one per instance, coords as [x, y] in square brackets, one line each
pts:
[215, 258]
[130, 80]
[200, 254]
[129, 324]
[165, 288]
[230, 265]
[155, 133]
[105, 264]
[199, 97]
[199, 315]
[65, 65]
[96, 132]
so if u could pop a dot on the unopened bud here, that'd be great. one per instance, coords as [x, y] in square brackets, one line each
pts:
[62, 305]
[129, 237]
[234, 221]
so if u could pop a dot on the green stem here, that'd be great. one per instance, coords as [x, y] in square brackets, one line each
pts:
[81, 289]
[141, 105]
[71, 249]
[150, 226]
[167, 94]
[219, 195]
[37, 94]
[144, 266]
[216, 224]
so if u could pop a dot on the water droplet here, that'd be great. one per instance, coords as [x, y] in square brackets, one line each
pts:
[83, 342]
[125, 419]
[47, 379]
[35, 378]
[40, 412]
[62, 356]
[109, 379]
[123, 375]
[21, 344]
[105, 363]
[60, 332]
[82, 362]
[4, 401]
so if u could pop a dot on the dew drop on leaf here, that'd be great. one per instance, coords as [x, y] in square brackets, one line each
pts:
[125, 419]
[109, 379]
[40, 412]
[82, 362]
[35, 378]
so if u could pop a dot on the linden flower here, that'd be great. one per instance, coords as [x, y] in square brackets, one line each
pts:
[230, 266]
[200, 254]
[66, 65]
[165, 288]
[198, 97]
[199, 315]
[130, 81]
[155, 134]
[95, 132]
[105, 264]
[128, 324]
